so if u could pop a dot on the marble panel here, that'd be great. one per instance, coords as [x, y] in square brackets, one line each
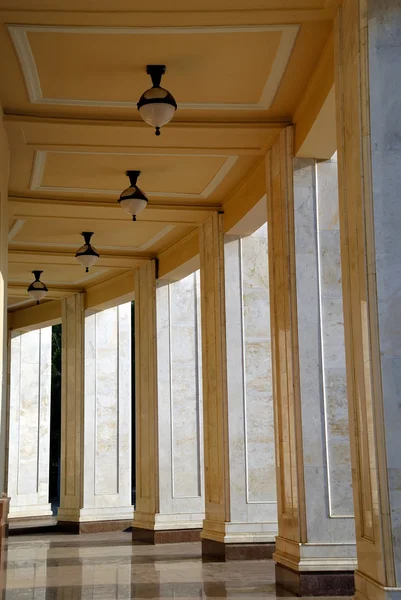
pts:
[250, 404]
[29, 427]
[108, 400]
[179, 404]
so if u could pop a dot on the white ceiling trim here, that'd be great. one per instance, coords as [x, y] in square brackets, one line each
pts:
[39, 164]
[24, 52]
[141, 248]
[16, 226]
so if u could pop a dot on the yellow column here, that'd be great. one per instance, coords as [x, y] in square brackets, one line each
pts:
[315, 546]
[368, 90]
[214, 370]
[147, 467]
[4, 169]
[72, 411]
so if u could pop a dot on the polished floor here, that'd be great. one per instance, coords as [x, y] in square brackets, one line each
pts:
[109, 567]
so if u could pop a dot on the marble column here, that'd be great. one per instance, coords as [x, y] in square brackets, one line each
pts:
[315, 546]
[29, 423]
[169, 470]
[72, 411]
[367, 67]
[240, 490]
[107, 486]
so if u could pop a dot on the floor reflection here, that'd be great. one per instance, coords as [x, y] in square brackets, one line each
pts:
[109, 567]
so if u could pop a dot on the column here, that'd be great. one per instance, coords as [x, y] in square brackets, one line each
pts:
[240, 490]
[169, 505]
[147, 473]
[29, 423]
[367, 59]
[107, 487]
[72, 411]
[315, 547]
[4, 224]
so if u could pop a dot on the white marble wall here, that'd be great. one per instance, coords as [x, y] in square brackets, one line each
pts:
[29, 423]
[253, 497]
[107, 416]
[325, 436]
[180, 431]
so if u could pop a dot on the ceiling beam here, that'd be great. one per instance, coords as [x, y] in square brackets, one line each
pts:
[119, 18]
[246, 197]
[109, 293]
[168, 150]
[34, 256]
[17, 290]
[310, 107]
[190, 126]
[174, 214]
[41, 315]
[181, 252]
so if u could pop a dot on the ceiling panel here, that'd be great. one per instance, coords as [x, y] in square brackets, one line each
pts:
[105, 173]
[215, 61]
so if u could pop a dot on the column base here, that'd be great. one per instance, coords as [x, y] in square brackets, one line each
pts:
[366, 589]
[314, 583]
[235, 551]
[93, 526]
[4, 510]
[167, 536]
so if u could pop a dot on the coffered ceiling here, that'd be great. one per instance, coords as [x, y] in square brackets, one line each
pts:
[71, 73]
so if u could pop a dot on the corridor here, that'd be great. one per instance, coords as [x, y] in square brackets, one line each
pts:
[109, 567]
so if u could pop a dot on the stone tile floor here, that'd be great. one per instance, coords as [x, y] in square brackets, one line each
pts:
[109, 567]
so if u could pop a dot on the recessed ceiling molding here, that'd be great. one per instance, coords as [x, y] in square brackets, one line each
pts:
[23, 49]
[39, 164]
[16, 226]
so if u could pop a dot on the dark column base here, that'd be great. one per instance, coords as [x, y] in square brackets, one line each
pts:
[170, 536]
[223, 552]
[314, 583]
[92, 526]
[4, 509]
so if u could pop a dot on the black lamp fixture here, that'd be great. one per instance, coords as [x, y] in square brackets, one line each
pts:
[87, 255]
[156, 106]
[37, 289]
[133, 200]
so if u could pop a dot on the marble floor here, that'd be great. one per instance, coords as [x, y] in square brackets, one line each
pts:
[109, 567]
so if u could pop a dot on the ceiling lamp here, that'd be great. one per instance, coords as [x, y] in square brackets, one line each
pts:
[156, 106]
[37, 289]
[87, 255]
[133, 200]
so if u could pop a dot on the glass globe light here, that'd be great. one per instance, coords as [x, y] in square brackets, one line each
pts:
[133, 200]
[156, 106]
[87, 255]
[37, 289]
